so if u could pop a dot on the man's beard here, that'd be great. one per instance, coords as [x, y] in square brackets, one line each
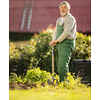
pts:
[63, 14]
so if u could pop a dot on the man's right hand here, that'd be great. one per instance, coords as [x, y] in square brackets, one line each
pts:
[53, 43]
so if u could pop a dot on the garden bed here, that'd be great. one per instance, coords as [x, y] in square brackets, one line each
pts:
[26, 86]
[31, 87]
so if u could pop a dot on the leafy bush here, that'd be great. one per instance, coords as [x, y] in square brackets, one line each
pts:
[43, 50]
[14, 58]
[71, 82]
[37, 75]
[38, 52]
[83, 47]
[32, 76]
[14, 78]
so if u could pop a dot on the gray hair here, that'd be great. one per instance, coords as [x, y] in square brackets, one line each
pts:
[64, 2]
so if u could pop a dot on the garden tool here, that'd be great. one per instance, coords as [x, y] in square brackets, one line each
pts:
[53, 79]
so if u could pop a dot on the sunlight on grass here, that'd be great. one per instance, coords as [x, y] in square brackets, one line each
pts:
[47, 93]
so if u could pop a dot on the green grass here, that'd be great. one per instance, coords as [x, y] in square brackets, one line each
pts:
[50, 93]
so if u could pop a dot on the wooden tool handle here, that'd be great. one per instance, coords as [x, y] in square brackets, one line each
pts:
[52, 61]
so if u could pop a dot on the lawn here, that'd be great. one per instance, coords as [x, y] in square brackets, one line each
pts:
[50, 93]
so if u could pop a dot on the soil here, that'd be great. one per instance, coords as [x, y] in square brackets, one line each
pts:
[27, 85]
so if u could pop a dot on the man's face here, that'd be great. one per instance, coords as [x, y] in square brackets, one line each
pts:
[63, 9]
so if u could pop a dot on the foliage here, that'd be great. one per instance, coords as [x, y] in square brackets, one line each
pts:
[38, 52]
[43, 51]
[83, 47]
[21, 58]
[32, 76]
[13, 53]
[70, 89]
[37, 75]
[19, 36]
[72, 83]
[27, 59]
[14, 59]
[14, 78]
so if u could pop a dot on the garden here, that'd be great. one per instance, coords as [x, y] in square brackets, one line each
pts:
[30, 69]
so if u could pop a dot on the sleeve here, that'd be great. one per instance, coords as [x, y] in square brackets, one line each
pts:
[67, 28]
[55, 31]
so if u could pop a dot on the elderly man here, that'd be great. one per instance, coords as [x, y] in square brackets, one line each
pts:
[64, 39]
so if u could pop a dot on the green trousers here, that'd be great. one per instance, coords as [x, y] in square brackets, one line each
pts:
[64, 51]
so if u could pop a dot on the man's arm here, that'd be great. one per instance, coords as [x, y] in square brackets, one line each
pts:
[54, 34]
[54, 41]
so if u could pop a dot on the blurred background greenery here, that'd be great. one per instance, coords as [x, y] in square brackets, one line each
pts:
[37, 52]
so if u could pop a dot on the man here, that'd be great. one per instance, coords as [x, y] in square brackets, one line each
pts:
[64, 39]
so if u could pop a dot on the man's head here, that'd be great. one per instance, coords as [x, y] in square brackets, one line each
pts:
[64, 8]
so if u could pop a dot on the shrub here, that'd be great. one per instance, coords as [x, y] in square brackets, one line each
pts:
[38, 52]
[14, 78]
[71, 82]
[43, 51]
[83, 47]
[32, 76]
[37, 75]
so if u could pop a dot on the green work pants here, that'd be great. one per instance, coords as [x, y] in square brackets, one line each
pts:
[64, 51]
